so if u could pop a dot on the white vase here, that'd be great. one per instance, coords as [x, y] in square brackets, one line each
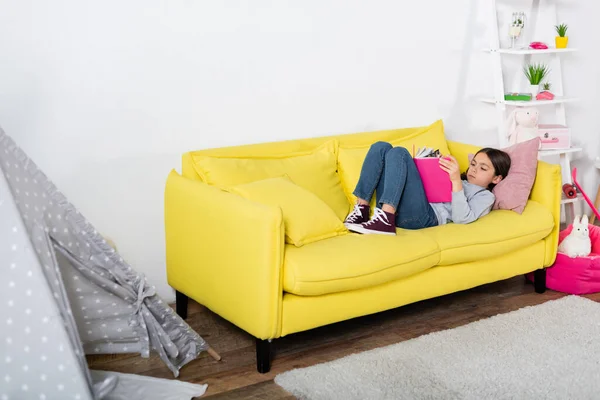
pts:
[534, 89]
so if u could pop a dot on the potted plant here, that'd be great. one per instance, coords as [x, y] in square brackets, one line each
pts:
[535, 74]
[516, 27]
[562, 39]
[545, 94]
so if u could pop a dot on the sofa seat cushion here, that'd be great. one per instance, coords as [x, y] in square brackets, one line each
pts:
[498, 233]
[355, 261]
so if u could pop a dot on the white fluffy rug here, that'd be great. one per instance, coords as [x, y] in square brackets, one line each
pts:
[548, 351]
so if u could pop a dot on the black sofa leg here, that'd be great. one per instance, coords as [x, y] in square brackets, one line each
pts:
[263, 355]
[181, 304]
[539, 283]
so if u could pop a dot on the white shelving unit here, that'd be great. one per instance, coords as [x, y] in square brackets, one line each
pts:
[532, 103]
[531, 51]
[571, 201]
[557, 152]
[497, 52]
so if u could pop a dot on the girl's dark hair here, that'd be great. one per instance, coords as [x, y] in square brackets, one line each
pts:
[500, 161]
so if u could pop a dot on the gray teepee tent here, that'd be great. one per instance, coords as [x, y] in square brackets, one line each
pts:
[65, 292]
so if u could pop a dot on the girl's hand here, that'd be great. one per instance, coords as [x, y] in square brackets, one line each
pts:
[450, 165]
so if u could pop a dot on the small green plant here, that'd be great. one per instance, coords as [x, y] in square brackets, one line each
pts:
[561, 30]
[536, 73]
[518, 19]
[546, 86]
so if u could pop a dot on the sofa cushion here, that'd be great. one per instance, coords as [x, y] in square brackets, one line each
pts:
[350, 157]
[306, 217]
[496, 234]
[513, 191]
[314, 170]
[354, 261]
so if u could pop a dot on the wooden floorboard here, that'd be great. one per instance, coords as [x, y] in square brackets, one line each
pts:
[235, 377]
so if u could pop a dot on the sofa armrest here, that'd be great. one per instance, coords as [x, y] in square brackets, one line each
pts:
[225, 252]
[546, 190]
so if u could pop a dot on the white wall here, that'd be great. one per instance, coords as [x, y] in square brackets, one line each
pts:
[105, 96]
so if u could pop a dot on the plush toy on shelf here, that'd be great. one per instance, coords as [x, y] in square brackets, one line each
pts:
[522, 125]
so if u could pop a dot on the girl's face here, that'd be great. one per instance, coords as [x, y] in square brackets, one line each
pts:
[481, 171]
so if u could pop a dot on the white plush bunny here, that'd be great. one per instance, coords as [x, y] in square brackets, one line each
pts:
[522, 125]
[578, 243]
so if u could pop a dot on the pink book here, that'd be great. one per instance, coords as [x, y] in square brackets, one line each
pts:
[436, 182]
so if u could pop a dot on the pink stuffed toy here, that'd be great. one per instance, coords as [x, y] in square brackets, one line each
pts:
[522, 125]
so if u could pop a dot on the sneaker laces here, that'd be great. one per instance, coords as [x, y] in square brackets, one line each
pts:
[354, 215]
[378, 215]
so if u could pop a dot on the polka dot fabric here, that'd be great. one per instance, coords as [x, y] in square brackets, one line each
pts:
[37, 359]
[106, 305]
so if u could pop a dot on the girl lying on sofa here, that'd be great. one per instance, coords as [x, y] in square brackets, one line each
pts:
[392, 174]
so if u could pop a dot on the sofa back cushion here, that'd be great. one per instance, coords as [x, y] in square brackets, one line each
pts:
[246, 163]
[313, 170]
[307, 218]
[288, 147]
[352, 156]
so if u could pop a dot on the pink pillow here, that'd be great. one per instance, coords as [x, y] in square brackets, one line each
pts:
[513, 191]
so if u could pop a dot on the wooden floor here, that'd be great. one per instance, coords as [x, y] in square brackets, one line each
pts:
[235, 377]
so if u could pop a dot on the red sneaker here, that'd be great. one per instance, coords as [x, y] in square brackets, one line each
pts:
[382, 223]
[358, 215]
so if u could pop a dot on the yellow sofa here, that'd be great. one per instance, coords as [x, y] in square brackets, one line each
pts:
[230, 253]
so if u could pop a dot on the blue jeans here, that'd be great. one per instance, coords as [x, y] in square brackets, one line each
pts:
[391, 173]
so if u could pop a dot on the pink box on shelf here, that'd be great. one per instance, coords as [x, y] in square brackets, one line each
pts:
[554, 136]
